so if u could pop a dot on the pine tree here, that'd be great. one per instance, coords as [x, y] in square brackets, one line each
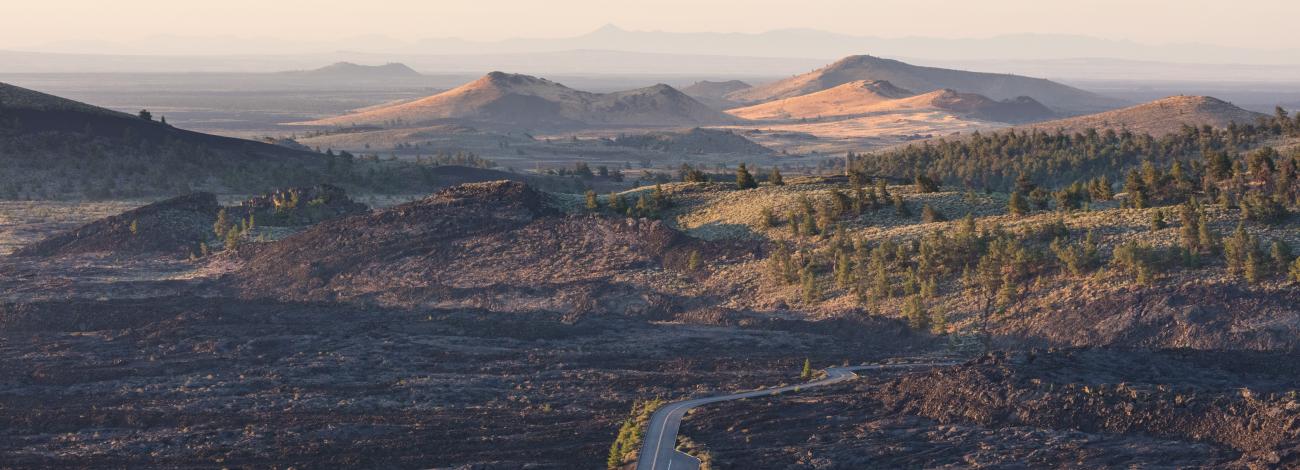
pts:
[775, 178]
[744, 180]
[1158, 220]
[617, 204]
[843, 270]
[808, 280]
[900, 207]
[1253, 268]
[806, 373]
[232, 237]
[135, 227]
[593, 204]
[693, 262]
[1017, 206]
[1280, 252]
[917, 317]
[222, 225]
[928, 214]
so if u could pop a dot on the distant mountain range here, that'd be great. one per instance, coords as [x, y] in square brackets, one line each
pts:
[919, 79]
[802, 43]
[531, 102]
[351, 70]
[880, 97]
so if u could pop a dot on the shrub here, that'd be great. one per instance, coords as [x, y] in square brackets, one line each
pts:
[929, 214]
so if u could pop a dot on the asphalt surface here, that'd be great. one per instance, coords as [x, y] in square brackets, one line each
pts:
[659, 451]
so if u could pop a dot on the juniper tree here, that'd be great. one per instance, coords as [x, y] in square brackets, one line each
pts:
[775, 178]
[744, 180]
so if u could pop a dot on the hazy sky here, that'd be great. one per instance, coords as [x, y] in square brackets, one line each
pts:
[1246, 23]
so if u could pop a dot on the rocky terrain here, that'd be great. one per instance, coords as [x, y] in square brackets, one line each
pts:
[1041, 408]
[162, 363]
[174, 227]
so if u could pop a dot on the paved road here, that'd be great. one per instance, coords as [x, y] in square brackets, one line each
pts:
[659, 451]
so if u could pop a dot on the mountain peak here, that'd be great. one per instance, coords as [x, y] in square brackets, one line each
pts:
[608, 28]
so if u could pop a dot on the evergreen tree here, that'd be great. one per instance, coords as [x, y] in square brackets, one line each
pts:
[843, 270]
[924, 184]
[135, 227]
[693, 262]
[1281, 255]
[222, 225]
[917, 316]
[806, 373]
[928, 214]
[808, 281]
[744, 180]
[900, 207]
[617, 204]
[775, 178]
[1158, 220]
[1017, 205]
[593, 204]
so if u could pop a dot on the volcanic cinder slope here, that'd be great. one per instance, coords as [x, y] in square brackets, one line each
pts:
[864, 97]
[714, 94]
[1061, 98]
[1159, 117]
[522, 100]
[53, 147]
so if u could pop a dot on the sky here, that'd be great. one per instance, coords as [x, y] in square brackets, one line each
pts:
[27, 24]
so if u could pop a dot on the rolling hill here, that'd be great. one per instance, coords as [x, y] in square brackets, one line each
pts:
[851, 98]
[714, 94]
[1159, 117]
[56, 148]
[531, 102]
[352, 70]
[1059, 97]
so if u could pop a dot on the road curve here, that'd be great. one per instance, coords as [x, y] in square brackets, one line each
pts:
[659, 449]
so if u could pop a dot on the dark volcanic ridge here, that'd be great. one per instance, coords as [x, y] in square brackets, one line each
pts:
[497, 246]
[175, 226]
